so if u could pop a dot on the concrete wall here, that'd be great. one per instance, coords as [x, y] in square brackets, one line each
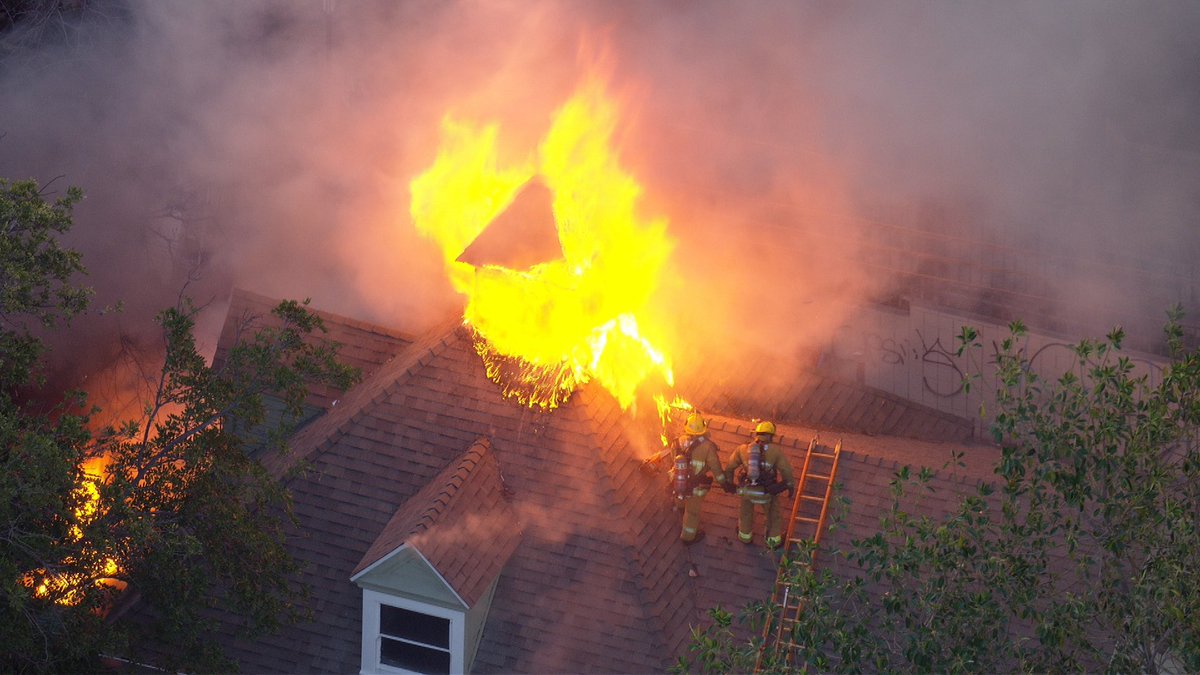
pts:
[912, 352]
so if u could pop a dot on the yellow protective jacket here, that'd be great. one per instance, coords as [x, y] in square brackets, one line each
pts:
[705, 458]
[775, 465]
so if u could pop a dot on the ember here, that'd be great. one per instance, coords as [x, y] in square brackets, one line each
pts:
[545, 329]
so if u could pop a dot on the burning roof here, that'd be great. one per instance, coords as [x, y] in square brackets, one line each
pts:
[548, 327]
[596, 580]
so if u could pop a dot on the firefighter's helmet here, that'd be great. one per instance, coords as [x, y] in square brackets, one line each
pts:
[765, 427]
[695, 426]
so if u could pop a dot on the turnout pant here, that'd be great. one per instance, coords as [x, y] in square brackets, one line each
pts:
[770, 507]
[691, 515]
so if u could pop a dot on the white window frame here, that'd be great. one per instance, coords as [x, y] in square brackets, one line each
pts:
[371, 637]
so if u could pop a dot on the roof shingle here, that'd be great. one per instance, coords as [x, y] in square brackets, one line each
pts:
[461, 522]
[591, 576]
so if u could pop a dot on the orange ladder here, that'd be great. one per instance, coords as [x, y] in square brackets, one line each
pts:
[805, 527]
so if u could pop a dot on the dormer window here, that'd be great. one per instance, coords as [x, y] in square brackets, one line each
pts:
[401, 635]
[427, 584]
[413, 641]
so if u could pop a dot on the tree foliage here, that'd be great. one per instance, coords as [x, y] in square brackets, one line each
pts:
[36, 289]
[199, 520]
[40, 456]
[1081, 554]
[167, 509]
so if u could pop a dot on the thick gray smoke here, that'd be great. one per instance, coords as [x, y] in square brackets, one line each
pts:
[270, 144]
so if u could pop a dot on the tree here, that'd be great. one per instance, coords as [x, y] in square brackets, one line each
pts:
[168, 507]
[199, 520]
[40, 456]
[1082, 553]
[35, 275]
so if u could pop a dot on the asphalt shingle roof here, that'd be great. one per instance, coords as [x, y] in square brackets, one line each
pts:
[820, 401]
[364, 346]
[594, 579]
[461, 522]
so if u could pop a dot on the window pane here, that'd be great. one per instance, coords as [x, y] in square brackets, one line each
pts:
[402, 623]
[413, 657]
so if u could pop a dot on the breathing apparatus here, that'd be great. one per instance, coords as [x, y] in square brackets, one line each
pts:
[682, 484]
[683, 472]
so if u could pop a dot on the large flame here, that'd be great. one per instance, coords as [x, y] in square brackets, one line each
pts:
[551, 327]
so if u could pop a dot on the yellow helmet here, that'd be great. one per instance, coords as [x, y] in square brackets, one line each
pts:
[695, 426]
[765, 427]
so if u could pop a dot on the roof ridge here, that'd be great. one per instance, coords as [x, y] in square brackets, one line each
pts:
[394, 372]
[440, 498]
[436, 494]
[733, 425]
[821, 399]
[800, 442]
[367, 326]
[440, 523]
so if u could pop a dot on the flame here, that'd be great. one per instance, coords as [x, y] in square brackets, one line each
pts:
[666, 416]
[545, 330]
[101, 570]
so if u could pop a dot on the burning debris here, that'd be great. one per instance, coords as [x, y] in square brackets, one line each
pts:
[545, 328]
[539, 387]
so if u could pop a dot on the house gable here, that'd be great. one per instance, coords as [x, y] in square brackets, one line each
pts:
[461, 524]
[405, 572]
[438, 560]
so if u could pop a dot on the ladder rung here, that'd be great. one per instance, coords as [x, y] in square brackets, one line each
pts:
[781, 642]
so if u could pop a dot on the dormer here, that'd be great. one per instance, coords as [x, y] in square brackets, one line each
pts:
[428, 579]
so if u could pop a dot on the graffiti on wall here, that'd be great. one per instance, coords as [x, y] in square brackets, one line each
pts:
[941, 372]
[925, 366]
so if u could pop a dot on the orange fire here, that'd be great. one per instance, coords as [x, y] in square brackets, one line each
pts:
[666, 414]
[100, 570]
[545, 329]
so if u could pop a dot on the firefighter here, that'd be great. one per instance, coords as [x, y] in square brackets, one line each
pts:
[763, 473]
[695, 464]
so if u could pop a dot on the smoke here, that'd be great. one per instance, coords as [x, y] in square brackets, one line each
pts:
[269, 145]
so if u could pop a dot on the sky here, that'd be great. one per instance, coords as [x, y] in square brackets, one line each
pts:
[269, 145]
